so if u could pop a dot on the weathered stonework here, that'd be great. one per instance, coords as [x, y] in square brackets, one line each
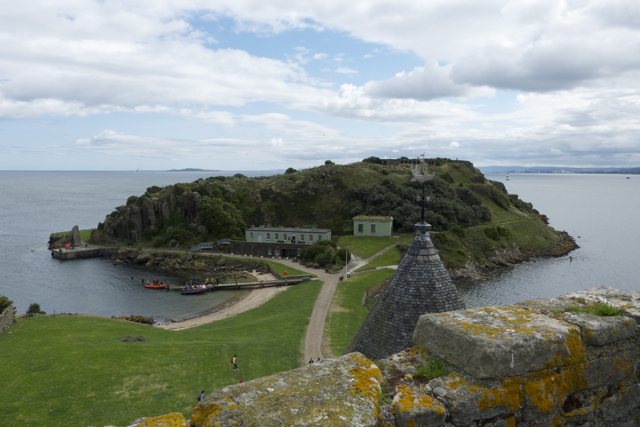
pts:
[420, 285]
[6, 319]
[335, 392]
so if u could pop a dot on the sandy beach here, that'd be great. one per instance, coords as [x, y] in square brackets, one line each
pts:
[253, 299]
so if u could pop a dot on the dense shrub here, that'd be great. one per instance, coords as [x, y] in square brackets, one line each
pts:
[372, 159]
[33, 309]
[458, 231]
[468, 196]
[132, 200]
[290, 170]
[496, 232]
[447, 177]
[324, 259]
[179, 189]
[4, 303]
[329, 163]
[153, 189]
[339, 257]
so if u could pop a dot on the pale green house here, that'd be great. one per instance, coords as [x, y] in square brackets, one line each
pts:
[286, 235]
[374, 226]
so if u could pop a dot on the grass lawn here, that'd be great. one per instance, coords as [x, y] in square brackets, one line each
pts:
[390, 257]
[72, 371]
[84, 234]
[365, 247]
[341, 326]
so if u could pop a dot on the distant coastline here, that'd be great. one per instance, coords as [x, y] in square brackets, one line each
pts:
[193, 170]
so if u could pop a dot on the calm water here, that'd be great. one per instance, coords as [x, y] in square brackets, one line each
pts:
[599, 211]
[35, 204]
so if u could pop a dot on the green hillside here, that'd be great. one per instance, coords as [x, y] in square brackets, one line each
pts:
[472, 217]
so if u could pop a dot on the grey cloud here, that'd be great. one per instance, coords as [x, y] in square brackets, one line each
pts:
[423, 83]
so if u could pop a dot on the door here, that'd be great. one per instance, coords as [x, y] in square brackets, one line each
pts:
[259, 237]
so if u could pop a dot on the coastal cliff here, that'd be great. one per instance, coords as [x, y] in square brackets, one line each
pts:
[542, 362]
[478, 224]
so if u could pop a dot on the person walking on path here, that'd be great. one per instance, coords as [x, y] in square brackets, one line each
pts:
[235, 362]
[201, 397]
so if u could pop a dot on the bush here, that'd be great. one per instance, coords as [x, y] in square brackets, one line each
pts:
[599, 309]
[329, 163]
[179, 189]
[4, 303]
[458, 231]
[339, 257]
[239, 176]
[372, 159]
[290, 170]
[33, 309]
[132, 200]
[324, 259]
[496, 232]
[154, 189]
[447, 177]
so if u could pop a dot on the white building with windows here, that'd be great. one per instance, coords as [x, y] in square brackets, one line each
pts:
[279, 241]
[373, 226]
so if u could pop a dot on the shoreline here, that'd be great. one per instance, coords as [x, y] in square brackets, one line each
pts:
[252, 299]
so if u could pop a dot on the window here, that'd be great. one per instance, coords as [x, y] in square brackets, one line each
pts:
[250, 236]
[299, 250]
[319, 236]
[302, 237]
[269, 250]
[310, 238]
[285, 237]
[360, 228]
[373, 228]
[276, 236]
[268, 236]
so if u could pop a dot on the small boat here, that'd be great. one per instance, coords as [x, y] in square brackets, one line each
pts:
[507, 176]
[194, 290]
[155, 286]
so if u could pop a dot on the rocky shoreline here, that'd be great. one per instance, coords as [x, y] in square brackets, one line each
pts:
[513, 256]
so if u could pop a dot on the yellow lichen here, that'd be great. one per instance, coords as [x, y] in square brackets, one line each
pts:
[407, 400]
[169, 420]
[511, 422]
[367, 378]
[232, 406]
[201, 412]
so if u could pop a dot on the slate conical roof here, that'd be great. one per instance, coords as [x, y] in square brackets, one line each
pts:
[420, 285]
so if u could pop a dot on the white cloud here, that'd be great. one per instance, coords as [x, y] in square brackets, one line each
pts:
[345, 70]
[454, 144]
[320, 56]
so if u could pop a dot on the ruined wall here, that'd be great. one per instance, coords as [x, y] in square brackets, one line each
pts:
[6, 319]
[530, 364]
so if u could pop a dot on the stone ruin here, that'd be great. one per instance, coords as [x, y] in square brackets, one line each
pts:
[420, 285]
[530, 364]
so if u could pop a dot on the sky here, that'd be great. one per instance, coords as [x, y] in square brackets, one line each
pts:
[261, 85]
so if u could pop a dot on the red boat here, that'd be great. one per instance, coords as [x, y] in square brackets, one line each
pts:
[155, 285]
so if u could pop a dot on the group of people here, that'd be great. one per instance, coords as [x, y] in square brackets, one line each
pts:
[213, 281]
[311, 360]
[234, 360]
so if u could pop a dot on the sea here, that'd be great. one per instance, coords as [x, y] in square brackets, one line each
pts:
[599, 211]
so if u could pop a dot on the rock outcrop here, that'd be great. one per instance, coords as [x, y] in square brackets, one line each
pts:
[338, 392]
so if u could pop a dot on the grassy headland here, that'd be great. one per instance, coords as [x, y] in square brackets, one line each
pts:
[72, 371]
[473, 219]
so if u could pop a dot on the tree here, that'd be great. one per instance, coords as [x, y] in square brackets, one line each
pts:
[4, 303]
[372, 159]
[33, 309]
[221, 218]
[329, 163]
[341, 255]
[290, 170]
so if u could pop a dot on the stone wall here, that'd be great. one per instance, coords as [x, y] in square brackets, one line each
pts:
[6, 319]
[535, 363]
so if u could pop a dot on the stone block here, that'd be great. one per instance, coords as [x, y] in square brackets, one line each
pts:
[337, 392]
[599, 331]
[496, 342]
[620, 405]
[414, 409]
[611, 369]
